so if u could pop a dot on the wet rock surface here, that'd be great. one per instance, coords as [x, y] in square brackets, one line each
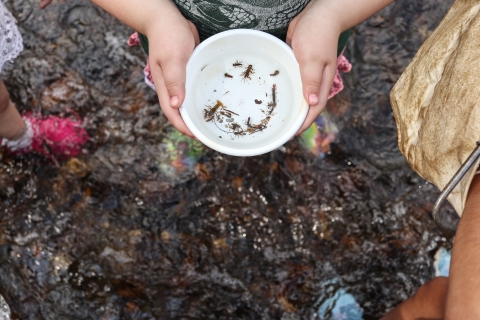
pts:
[128, 231]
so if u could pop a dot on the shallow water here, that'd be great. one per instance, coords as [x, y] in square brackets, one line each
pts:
[144, 226]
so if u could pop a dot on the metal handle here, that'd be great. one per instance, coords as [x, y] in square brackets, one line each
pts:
[450, 186]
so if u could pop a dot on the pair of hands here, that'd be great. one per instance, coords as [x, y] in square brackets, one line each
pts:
[313, 36]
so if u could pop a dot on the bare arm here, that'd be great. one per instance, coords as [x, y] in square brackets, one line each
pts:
[464, 281]
[358, 10]
[140, 15]
[428, 303]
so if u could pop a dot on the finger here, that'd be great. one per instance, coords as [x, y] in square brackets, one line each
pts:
[324, 89]
[327, 82]
[172, 114]
[196, 37]
[44, 3]
[291, 28]
[174, 74]
[312, 72]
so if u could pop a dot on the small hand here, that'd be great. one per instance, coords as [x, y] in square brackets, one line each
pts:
[44, 3]
[171, 43]
[313, 36]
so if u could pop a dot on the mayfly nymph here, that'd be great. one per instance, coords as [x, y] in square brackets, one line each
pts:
[237, 64]
[210, 113]
[248, 72]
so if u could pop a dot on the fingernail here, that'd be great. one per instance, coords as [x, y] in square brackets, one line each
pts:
[313, 99]
[174, 101]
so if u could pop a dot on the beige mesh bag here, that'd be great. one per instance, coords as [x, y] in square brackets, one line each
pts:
[436, 101]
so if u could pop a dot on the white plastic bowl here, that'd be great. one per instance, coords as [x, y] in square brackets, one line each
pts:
[245, 124]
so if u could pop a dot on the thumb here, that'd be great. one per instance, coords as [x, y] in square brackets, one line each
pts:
[196, 37]
[290, 30]
[312, 73]
[174, 73]
[317, 81]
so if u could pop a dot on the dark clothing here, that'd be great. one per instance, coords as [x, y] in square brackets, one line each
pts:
[214, 16]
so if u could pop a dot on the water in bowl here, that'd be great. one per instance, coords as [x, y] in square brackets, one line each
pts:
[256, 98]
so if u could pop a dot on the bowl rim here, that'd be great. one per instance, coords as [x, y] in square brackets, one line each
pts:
[274, 144]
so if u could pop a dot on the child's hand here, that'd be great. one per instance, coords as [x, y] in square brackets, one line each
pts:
[44, 3]
[171, 42]
[313, 36]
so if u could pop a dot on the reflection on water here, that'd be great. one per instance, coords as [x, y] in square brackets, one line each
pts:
[148, 225]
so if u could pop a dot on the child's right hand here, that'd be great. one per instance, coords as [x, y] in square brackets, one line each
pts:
[171, 42]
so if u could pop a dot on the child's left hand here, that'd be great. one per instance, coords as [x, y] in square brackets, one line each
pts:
[313, 36]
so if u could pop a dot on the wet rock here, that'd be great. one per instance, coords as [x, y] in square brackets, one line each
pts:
[142, 227]
[4, 309]
[119, 256]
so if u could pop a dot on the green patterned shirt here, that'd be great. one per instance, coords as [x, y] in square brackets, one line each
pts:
[214, 16]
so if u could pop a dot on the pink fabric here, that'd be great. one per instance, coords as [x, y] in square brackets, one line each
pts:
[62, 137]
[148, 76]
[343, 65]
[134, 40]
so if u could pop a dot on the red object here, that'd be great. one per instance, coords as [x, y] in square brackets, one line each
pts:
[134, 40]
[342, 66]
[62, 137]
[55, 137]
